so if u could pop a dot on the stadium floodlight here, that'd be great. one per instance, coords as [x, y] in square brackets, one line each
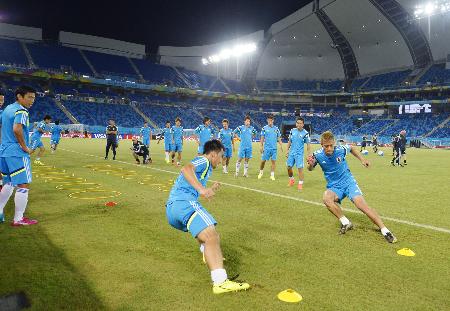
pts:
[431, 8]
[236, 51]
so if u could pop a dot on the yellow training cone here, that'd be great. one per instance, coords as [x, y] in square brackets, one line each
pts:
[289, 295]
[406, 252]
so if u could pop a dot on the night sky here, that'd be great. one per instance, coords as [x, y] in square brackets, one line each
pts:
[153, 23]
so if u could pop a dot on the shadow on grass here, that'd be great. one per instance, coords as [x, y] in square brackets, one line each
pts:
[32, 264]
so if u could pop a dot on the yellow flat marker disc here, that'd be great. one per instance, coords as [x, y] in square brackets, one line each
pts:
[289, 295]
[406, 252]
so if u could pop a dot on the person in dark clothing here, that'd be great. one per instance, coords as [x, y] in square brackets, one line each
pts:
[375, 143]
[402, 145]
[140, 150]
[111, 138]
[397, 150]
[363, 143]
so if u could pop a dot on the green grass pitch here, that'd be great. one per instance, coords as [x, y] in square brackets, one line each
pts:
[85, 256]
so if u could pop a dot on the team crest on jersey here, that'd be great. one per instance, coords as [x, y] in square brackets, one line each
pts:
[339, 159]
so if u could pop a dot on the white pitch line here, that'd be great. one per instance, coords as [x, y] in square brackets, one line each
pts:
[401, 221]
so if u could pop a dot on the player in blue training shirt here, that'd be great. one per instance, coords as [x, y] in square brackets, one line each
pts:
[245, 133]
[270, 136]
[146, 135]
[184, 212]
[36, 141]
[177, 146]
[167, 134]
[56, 136]
[2, 102]
[204, 132]
[15, 155]
[298, 137]
[226, 137]
[341, 183]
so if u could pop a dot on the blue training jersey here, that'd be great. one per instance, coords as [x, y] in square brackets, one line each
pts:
[298, 140]
[56, 131]
[177, 134]
[271, 135]
[335, 166]
[168, 135]
[226, 137]
[36, 133]
[245, 134]
[14, 114]
[182, 189]
[204, 133]
[145, 132]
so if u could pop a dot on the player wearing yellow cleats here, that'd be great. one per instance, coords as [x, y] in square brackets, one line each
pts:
[229, 286]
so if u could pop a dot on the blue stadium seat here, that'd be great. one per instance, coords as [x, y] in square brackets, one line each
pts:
[11, 52]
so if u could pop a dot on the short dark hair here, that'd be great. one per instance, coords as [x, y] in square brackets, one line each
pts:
[167, 122]
[23, 90]
[300, 119]
[213, 145]
[57, 122]
[247, 118]
[145, 122]
[270, 116]
[177, 119]
[206, 119]
[47, 117]
[111, 119]
[225, 121]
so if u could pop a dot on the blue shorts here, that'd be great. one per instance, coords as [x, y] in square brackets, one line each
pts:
[177, 147]
[54, 141]
[245, 153]
[16, 170]
[228, 152]
[350, 190]
[36, 143]
[167, 146]
[146, 141]
[296, 159]
[269, 154]
[188, 216]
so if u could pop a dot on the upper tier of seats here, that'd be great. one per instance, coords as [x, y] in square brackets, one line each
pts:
[437, 74]
[11, 52]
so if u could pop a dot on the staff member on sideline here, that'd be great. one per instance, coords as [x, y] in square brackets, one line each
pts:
[111, 138]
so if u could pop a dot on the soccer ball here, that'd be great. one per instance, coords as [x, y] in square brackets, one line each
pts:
[365, 152]
[380, 153]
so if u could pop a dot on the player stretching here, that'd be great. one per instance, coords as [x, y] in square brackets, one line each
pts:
[146, 135]
[56, 136]
[15, 155]
[111, 138]
[177, 146]
[185, 213]
[226, 138]
[298, 137]
[36, 141]
[246, 133]
[341, 183]
[167, 134]
[270, 135]
[204, 132]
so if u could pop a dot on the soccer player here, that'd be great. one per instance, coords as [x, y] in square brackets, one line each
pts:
[204, 132]
[375, 143]
[402, 145]
[363, 143]
[167, 134]
[177, 146]
[56, 136]
[36, 141]
[226, 138]
[184, 212]
[146, 135]
[111, 138]
[2, 102]
[397, 149]
[246, 133]
[298, 137]
[15, 155]
[341, 183]
[270, 135]
[140, 150]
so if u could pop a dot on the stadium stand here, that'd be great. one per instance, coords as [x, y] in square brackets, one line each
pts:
[107, 63]
[437, 74]
[11, 52]
[158, 74]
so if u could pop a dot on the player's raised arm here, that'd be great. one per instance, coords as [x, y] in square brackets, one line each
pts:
[357, 155]
[188, 172]
[312, 162]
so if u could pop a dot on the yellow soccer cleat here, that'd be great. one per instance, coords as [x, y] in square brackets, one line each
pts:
[260, 175]
[272, 177]
[230, 286]
[38, 162]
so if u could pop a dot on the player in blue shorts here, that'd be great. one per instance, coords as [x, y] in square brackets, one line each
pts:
[184, 212]
[2, 102]
[177, 146]
[270, 135]
[245, 133]
[341, 183]
[146, 135]
[204, 132]
[56, 136]
[15, 155]
[298, 137]
[167, 134]
[226, 138]
[36, 141]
